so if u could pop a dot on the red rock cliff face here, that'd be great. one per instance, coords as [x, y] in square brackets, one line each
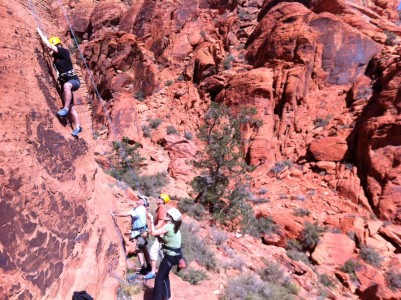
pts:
[51, 239]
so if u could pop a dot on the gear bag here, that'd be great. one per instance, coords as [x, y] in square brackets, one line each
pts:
[82, 295]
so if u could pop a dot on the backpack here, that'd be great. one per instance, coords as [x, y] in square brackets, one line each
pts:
[82, 295]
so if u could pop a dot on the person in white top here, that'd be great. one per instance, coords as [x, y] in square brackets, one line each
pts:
[139, 233]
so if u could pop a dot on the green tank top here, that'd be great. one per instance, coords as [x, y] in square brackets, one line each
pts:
[171, 239]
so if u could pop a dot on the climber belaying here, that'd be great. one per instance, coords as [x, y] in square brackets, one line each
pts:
[67, 78]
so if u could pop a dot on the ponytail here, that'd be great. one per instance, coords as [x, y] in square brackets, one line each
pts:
[177, 225]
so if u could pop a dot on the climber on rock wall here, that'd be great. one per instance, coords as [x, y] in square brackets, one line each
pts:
[138, 233]
[67, 78]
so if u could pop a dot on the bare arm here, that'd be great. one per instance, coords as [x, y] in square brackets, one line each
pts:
[121, 214]
[153, 230]
[46, 41]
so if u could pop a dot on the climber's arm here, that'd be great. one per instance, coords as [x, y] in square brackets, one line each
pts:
[46, 41]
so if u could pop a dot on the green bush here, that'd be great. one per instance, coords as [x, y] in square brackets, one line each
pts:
[279, 166]
[151, 185]
[323, 122]
[146, 131]
[301, 212]
[391, 36]
[310, 235]
[326, 280]
[189, 207]
[169, 82]
[195, 248]
[262, 225]
[251, 287]
[219, 237]
[188, 135]
[154, 123]
[171, 130]
[139, 95]
[350, 266]
[370, 256]
[393, 279]
[298, 256]
[227, 62]
[192, 276]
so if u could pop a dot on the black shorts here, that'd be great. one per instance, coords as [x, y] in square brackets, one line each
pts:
[140, 241]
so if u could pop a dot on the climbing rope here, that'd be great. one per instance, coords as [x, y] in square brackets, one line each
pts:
[132, 173]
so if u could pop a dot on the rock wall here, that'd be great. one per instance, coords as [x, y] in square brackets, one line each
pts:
[52, 240]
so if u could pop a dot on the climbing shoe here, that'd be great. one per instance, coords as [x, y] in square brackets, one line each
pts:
[150, 275]
[75, 132]
[145, 270]
[62, 112]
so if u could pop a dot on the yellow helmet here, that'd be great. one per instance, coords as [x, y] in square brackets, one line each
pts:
[54, 40]
[165, 198]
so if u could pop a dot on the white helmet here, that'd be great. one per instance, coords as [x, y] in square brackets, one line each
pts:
[144, 199]
[175, 214]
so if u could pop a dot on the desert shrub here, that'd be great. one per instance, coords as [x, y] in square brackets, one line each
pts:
[263, 191]
[195, 248]
[154, 123]
[227, 62]
[192, 276]
[139, 95]
[350, 266]
[393, 279]
[301, 212]
[188, 135]
[326, 280]
[171, 130]
[391, 36]
[262, 225]
[250, 286]
[310, 235]
[272, 272]
[169, 82]
[180, 78]
[129, 290]
[236, 263]
[146, 131]
[298, 256]
[322, 122]
[195, 210]
[300, 197]
[151, 184]
[279, 166]
[370, 256]
[219, 237]
[125, 160]
[294, 251]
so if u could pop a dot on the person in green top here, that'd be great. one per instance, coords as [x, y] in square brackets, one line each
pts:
[170, 237]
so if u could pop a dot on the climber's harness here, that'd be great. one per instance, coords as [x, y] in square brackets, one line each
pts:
[67, 74]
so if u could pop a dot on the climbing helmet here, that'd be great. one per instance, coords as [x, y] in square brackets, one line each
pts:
[54, 40]
[175, 214]
[144, 199]
[165, 198]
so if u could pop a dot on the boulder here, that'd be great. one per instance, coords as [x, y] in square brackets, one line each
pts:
[333, 249]
[329, 148]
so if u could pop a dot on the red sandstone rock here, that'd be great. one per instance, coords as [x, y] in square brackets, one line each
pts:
[333, 249]
[369, 277]
[329, 149]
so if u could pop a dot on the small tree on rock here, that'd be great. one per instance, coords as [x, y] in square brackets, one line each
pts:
[220, 187]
